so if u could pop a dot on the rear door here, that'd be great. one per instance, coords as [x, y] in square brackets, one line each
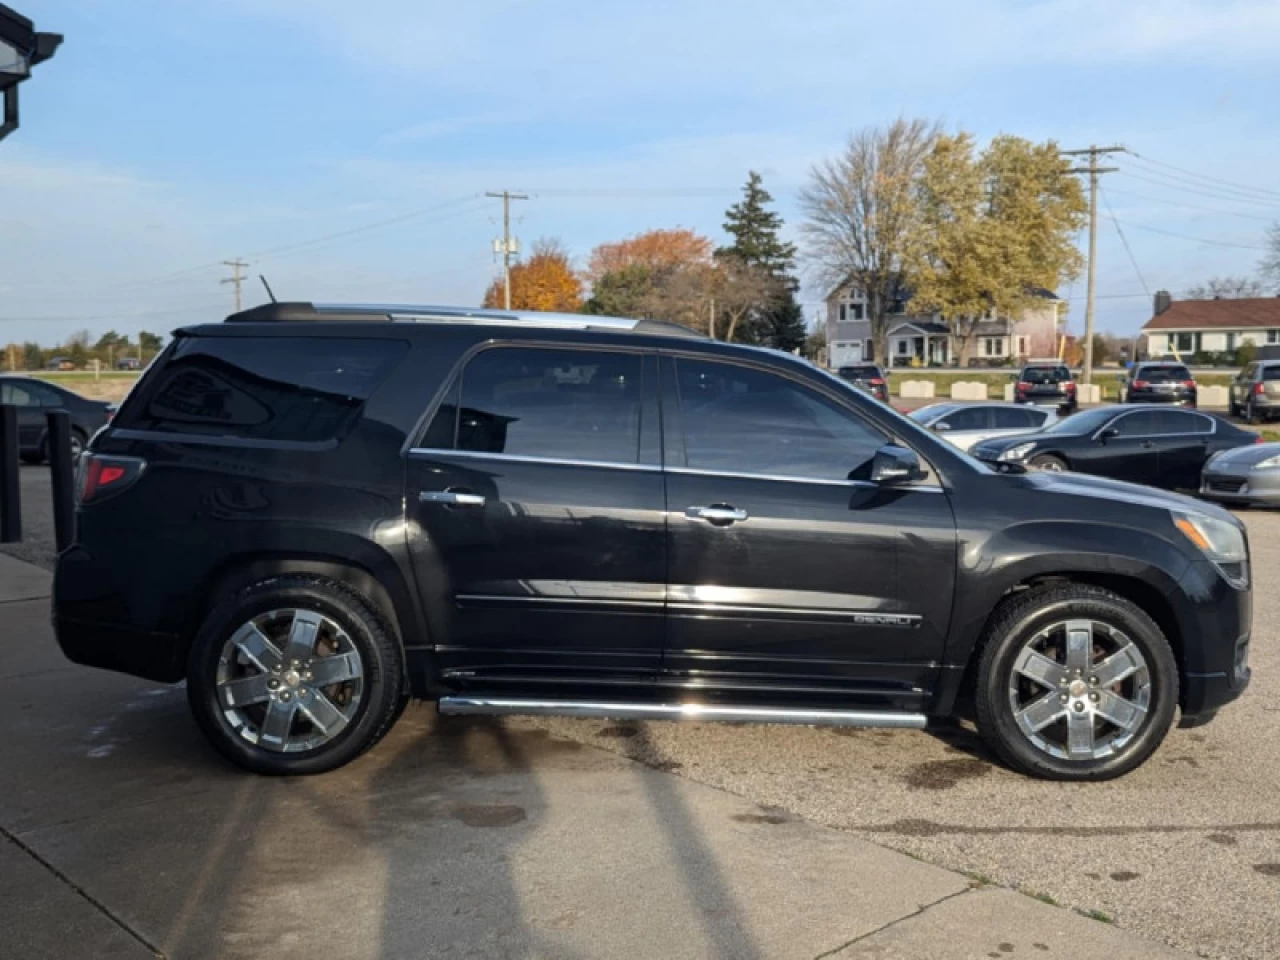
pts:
[537, 501]
[1013, 420]
[1184, 447]
[791, 575]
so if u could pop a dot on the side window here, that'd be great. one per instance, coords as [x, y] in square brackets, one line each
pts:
[561, 404]
[1184, 422]
[12, 393]
[1144, 423]
[969, 418]
[745, 421]
[288, 389]
[1021, 419]
[42, 396]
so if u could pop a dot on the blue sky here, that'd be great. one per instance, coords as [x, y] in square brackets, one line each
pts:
[167, 136]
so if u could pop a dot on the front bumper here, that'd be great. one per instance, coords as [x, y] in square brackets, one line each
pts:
[1260, 486]
[1215, 621]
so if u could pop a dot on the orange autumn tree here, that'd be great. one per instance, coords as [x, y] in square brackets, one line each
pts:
[656, 250]
[546, 281]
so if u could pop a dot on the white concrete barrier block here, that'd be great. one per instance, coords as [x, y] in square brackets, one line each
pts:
[1213, 396]
[966, 390]
[1088, 393]
[1008, 392]
[916, 389]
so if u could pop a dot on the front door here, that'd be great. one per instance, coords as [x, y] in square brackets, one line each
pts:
[791, 575]
[1133, 454]
[33, 400]
[538, 521]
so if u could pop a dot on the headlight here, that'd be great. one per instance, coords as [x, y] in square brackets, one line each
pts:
[1018, 452]
[1268, 464]
[1221, 542]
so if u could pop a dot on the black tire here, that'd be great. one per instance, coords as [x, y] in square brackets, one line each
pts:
[1022, 617]
[1233, 409]
[33, 459]
[78, 442]
[1250, 414]
[382, 696]
[1047, 461]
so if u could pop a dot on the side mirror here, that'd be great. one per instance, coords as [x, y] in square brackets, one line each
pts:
[1108, 434]
[894, 465]
[941, 427]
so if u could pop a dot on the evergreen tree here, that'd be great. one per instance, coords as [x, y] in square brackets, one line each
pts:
[755, 229]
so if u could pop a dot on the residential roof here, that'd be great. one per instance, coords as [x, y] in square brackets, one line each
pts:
[1218, 314]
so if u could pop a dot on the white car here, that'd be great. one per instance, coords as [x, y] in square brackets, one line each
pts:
[965, 424]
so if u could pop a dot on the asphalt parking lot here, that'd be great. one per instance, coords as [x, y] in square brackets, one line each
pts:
[1185, 851]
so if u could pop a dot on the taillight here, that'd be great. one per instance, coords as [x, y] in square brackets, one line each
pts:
[876, 382]
[1140, 384]
[1189, 383]
[102, 475]
[1259, 389]
[1023, 385]
[1258, 438]
[1071, 386]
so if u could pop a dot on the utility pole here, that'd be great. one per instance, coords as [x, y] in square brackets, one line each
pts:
[1093, 170]
[236, 266]
[506, 246]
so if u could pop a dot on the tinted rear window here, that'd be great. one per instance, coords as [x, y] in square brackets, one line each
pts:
[1045, 375]
[1271, 373]
[1164, 374]
[304, 389]
[859, 373]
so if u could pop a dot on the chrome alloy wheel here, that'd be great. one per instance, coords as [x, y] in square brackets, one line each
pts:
[1080, 690]
[289, 680]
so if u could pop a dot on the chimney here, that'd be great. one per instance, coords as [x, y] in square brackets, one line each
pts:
[1163, 301]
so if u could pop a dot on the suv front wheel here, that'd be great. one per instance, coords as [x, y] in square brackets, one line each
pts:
[294, 675]
[1075, 683]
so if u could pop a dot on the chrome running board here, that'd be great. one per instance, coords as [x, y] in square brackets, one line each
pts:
[498, 706]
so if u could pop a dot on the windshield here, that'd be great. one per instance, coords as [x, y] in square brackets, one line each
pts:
[1167, 374]
[1082, 423]
[933, 411]
[1045, 375]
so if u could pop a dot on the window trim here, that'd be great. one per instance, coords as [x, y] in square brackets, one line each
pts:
[1213, 426]
[420, 452]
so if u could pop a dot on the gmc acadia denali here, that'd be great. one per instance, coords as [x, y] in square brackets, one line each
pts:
[311, 513]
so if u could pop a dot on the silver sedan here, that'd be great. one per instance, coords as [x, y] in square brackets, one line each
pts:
[1243, 475]
[965, 424]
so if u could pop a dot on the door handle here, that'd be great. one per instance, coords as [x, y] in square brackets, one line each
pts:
[1147, 444]
[718, 514]
[453, 497]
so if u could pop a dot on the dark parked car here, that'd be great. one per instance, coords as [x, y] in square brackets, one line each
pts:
[1160, 383]
[34, 399]
[1050, 383]
[128, 363]
[1163, 448]
[869, 377]
[313, 513]
[1255, 391]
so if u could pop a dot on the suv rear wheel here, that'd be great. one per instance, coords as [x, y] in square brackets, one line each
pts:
[294, 675]
[1075, 683]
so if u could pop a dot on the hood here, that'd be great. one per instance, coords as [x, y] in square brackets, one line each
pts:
[1246, 456]
[998, 445]
[1083, 485]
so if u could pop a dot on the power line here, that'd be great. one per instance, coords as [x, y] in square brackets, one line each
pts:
[1124, 240]
[1193, 206]
[1184, 236]
[1179, 181]
[1204, 176]
[1209, 193]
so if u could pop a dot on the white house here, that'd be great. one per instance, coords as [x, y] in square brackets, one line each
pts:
[927, 340]
[1188, 327]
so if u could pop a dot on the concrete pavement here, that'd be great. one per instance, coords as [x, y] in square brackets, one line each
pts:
[124, 836]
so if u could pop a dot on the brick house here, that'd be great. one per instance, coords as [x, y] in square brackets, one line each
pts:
[1188, 327]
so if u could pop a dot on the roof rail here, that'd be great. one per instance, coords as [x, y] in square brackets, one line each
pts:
[304, 312]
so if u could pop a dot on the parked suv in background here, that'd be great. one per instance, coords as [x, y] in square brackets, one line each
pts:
[1049, 382]
[1159, 383]
[1255, 392]
[312, 513]
[869, 377]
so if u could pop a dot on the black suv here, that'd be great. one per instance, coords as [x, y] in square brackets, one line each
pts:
[1160, 383]
[868, 377]
[1048, 383]
[311, 514]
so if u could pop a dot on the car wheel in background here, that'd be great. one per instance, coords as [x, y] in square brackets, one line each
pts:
[1075, 683]
[32, 458]
[1048, 462]
[294, 675]
[1250, 413]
